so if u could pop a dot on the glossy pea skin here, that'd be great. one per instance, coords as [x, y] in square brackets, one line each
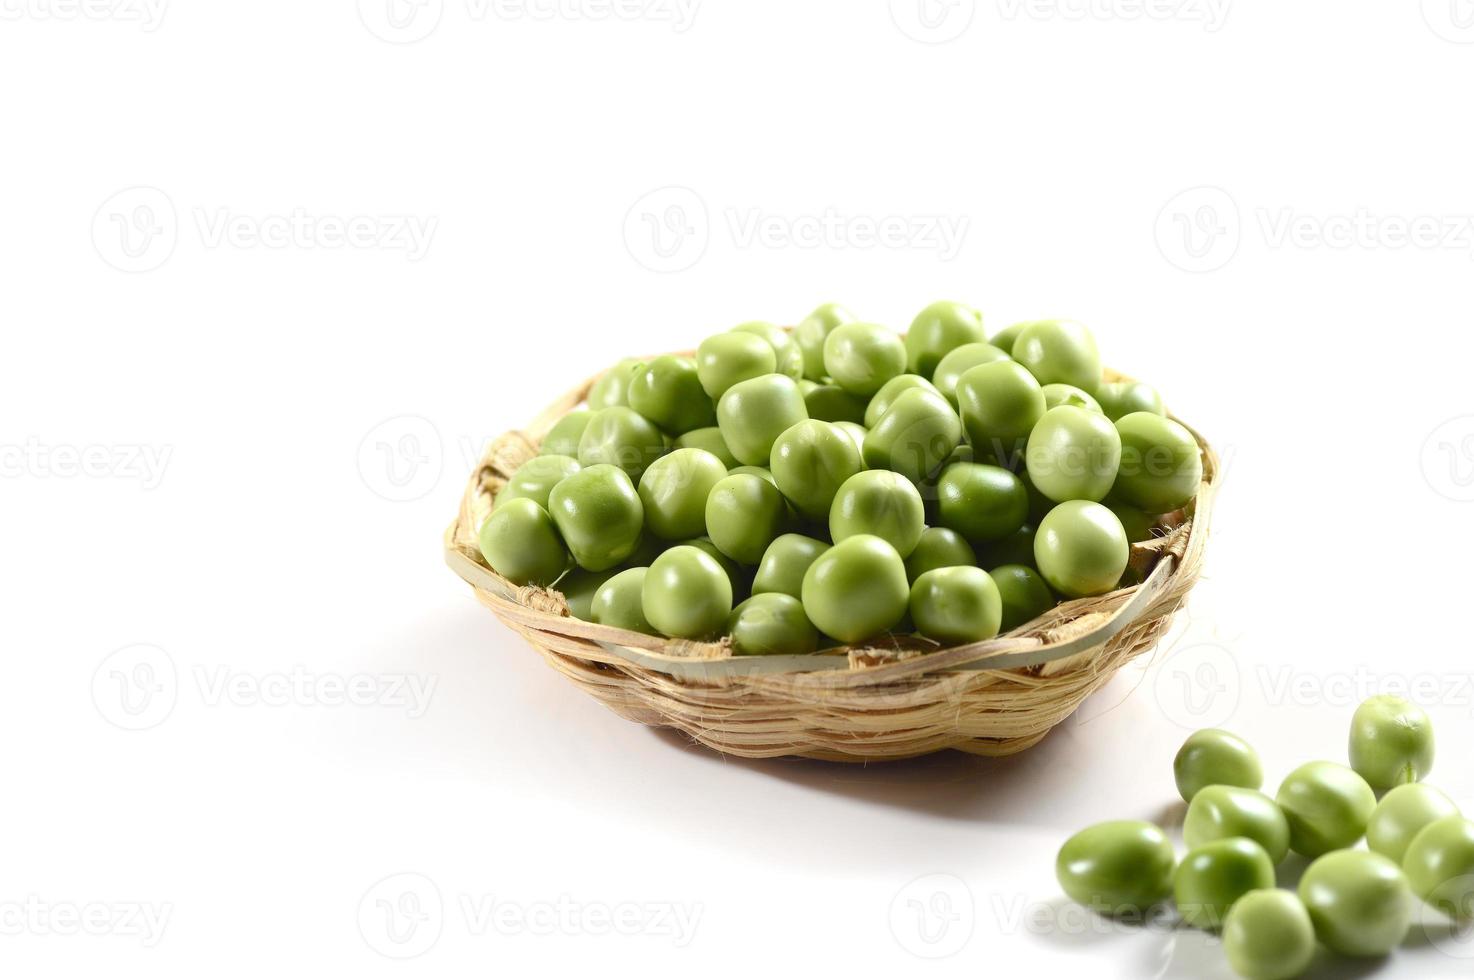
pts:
[1402, 814]
[915, 435]
[770, 624]
[1268, 935]
[562, 438]
[1219, 812]
[1074, 454]
[752, 414]
[1081, 549]
[579, 587]
[621, 437]
[813, 330]
[1014, 549]
[785, 349]
[599, 514]
[937, 331]
[1391, 742]
[958, 362]
[956, 605]
[856, 433]
[710, 439]
[686, 594]
[862, 357]
[810, 461]
[831, 403]
[1439, 864]
[744, 513]
[1328, 807]
[674, 491]
[1121, 398]
[1214, 757]
[536, 478]
[1359, 902]
[1056, 395]
[785, 562]
[738, 577]
[888, 393]
[856, 589]
[619, 602]
[1137, 522]
[668, 392]
[611, 388]
[1121, 866]
[981, 502]
[1024, 594]
[1160, 463]
[759, 471]
[939, 547]
[1000, 403]
[880, 503]
[1059, 352]
[520, 542]
[724, 359]
[1214, 876]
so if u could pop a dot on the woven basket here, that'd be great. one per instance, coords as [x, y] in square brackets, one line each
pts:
[898, 698]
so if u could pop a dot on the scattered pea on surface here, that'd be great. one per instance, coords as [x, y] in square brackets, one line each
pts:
[1218, 812]
[1328, 807]
[1268, 935]
[1117, 867]
[1391, 742]
[1215, 875]
[1359, 902]
[1440, 866]
[1402, 814]
[687, 594]
[1212, 756]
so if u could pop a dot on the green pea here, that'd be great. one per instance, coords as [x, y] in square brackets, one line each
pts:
[856, 589]
[856, 433]
[1000, 404]
[754, 413]
[687, 594]
[621, 437]
[1268, 935]
[1391, 742]
[861, 357]
[1215, 875]
[956, 605]
[1359, 902]
[521, 543]
[1328, 807]
[813, 330]
[785, 349]
[1440, 866]
[738, 577]
[771, 623]
[1003, 339]
[668, 392]
[1056, 395]
[710, 439]
[1024, 594]
[938, 330]
[760, 471]
[562, 438]
[744, 513]
[785, 562]
[1402, 814]
[810, 461]
[958, 362]
[599, 514]
[619, 602]
[981, 502]
[915, 435]
[674, 491]
[1137, 523]
[888, 393]
[880, 503]
[1213, 757]
[579, 587]
[1121, 398]
[1217, 812]
[1059, 351]
[724, 359]
[1117, 867]
[939, 547]
[1081, 549]
[831, 403]
[1160, 463]
[1074, 454]
[611, 388]
[1013, 549]
[536, 478]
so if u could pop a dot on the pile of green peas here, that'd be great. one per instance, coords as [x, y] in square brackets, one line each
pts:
[808, 489]
[1355, 902]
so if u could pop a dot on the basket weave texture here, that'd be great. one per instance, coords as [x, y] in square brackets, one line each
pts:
[897, 698]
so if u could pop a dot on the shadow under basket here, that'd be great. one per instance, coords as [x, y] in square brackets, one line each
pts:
[895, 697]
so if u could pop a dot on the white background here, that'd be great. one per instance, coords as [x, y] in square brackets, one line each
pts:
[229, 454]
